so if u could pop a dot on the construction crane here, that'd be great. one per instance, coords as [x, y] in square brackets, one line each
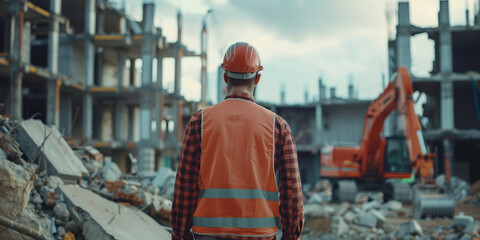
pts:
[380, 158]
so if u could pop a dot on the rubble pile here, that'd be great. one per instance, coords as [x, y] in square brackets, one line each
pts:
[53, 191]
[370, 217]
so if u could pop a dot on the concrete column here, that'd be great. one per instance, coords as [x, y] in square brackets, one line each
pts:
[203, 55]
[159, 99]
[98, 69]
[131, 122]
[446, 68]
[119, 120]
[16, 21]
[66, 109]
[89, 65]
[178, 84]
[446, 65]
[403, 36]
[318, 124]
[392, 58]
[132, 72]
[120, 69]
[146, 151]
[53, 98]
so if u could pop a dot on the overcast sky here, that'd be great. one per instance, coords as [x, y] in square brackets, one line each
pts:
[299, 41]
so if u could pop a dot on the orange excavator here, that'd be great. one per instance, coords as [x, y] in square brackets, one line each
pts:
[380, 158]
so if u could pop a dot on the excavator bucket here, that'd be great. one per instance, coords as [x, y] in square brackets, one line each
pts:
[432, 204]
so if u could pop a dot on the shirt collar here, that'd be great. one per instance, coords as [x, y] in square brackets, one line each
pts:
[241, 95]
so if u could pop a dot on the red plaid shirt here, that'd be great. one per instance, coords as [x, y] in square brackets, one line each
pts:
[186, 185]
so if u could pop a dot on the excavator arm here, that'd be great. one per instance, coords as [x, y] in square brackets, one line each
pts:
[421, 160]
[397, 95]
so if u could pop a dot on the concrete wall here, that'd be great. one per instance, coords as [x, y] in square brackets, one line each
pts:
[343, 123]
[107, 123]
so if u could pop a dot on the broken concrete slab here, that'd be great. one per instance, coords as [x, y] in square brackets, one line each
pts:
[16, 183]
[316, 210]
[367, 221]
[35, 139]
[369, 205]
[393, 205]
[338, 227]
[377, 215]
[120, 222]
[408, 228]
[462, 220]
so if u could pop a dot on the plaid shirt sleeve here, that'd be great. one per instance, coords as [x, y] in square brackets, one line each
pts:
[186, 183]
[291, 195]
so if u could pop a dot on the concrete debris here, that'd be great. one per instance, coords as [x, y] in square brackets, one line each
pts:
[316, 210]
[372, 218]
[393, 205]
[379, 217]
[369, 205]
[54, 182]
[408, 229]
[367, 221]
[316, 198]
[94, 153]
[61, 231]
[27, 223]
[61, 211]
[42, 193]
[9, 148]
[339, 226]
[165, 182]
[111, 171]
[37, 139]
[120, 222]
[16, 182]
[462, 220]
[458, 187]
[473, 228]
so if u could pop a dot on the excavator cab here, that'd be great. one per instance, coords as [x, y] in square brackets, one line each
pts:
[397, 162]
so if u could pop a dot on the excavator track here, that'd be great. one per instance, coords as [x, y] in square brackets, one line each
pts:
[344, 191]
[402, 192]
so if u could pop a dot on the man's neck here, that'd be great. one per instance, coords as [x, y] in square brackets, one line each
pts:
[241, 89]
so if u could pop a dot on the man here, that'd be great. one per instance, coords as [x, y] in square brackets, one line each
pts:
[226, 186]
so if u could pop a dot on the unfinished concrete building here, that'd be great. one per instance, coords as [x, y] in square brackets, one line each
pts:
[452, 108]
[75, 65]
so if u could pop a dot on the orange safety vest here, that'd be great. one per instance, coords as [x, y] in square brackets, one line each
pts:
[238, 193]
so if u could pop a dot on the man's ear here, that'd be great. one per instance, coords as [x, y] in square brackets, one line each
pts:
[225, 78]
[257, 78]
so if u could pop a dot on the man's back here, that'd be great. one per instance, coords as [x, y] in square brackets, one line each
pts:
[237, 172]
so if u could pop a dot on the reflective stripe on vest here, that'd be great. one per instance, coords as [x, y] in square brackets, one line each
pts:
[238, 193]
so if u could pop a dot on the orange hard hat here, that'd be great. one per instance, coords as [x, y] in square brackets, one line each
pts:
[241, 61]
